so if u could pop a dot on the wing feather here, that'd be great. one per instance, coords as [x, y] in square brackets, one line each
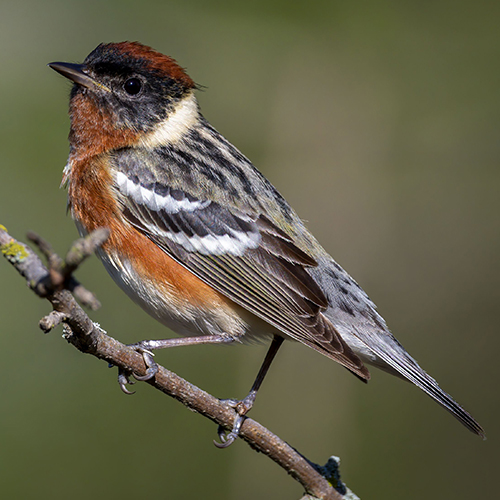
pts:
[242, 255]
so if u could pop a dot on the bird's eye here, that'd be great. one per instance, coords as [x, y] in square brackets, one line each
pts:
[132, 86]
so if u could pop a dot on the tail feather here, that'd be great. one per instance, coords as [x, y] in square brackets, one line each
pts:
[399, 360]
[355, 318]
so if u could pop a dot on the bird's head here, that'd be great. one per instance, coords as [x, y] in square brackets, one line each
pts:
[126, 93]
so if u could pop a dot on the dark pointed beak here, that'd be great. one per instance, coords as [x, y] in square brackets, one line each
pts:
[76, 73]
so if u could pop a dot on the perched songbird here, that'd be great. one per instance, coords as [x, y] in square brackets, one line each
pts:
[199, 237]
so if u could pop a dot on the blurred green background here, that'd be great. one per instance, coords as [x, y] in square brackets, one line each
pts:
[379, 122]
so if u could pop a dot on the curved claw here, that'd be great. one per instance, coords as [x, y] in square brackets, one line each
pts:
[228, 440]
[123, 381]
[152, 369]
[221, 432]
[150, 373]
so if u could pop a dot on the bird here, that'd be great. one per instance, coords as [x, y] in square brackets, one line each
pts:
[199, 238]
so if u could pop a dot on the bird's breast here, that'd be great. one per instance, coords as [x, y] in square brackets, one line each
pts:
[158, 283]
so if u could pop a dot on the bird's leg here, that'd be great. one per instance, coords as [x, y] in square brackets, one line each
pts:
[145, 347]
[243, 406]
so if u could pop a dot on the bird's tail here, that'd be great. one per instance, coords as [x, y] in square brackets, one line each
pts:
[406, 367]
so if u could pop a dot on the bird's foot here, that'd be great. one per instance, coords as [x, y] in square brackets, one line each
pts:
[124, 380]
[151, 368]
[242, 407]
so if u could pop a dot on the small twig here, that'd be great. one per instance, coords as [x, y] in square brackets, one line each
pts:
[60, 272]
[85, 297]
[43, 245]
[52, 320]
[88, 337]
[56, 280]
[82, 249]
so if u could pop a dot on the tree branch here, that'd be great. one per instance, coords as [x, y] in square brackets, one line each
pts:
[56, 283]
